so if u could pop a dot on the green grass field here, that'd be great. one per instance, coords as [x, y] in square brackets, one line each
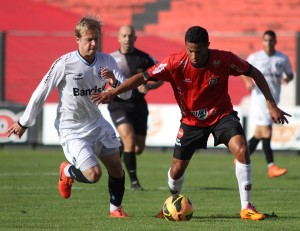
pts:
[30, 200]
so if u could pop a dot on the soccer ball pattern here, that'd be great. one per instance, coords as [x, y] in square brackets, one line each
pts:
[178, 208]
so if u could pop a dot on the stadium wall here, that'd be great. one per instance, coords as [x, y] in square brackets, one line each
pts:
[163, 124]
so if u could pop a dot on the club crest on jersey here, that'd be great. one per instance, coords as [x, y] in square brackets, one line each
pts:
[213, 81]
[99, 74]
[216, 63]
[201, 114]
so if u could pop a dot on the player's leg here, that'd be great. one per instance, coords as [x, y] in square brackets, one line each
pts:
[110, 157]
[82, 166]
[128, 137]
[188, 140]
[108, 152]
[176, 175]
[273, 169]
[255, 139]
[230, 132]
[140, 141]
[122, 122]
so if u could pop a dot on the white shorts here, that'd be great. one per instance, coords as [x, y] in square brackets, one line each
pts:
[85, 149]
[259, 112]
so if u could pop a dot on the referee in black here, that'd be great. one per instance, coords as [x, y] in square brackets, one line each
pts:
[130, 116]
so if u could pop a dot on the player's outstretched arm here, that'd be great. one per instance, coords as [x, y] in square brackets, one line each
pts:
[277, 115]
[131, 83]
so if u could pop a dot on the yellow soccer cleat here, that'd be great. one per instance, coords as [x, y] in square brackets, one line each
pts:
[250, 213]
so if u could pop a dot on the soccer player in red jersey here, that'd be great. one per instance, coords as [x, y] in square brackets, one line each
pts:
[199, 78]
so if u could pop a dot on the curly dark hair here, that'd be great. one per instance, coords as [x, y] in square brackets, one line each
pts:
[196, 34]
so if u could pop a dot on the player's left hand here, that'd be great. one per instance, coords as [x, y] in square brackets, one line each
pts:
[278, 116]
[108, 75]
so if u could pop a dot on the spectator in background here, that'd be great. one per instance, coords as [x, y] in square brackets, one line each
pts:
[83, 132]
[199, 78]
[130, 116]
[277, 70]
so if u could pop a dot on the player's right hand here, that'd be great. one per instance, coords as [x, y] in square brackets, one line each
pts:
[104, 97]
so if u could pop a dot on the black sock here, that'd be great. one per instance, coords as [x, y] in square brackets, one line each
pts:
[266, 144]
[77, 175]
[253, 142]
[116, 188]
[130, 164]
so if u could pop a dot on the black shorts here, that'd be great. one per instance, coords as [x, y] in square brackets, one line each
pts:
[138, 118]
[190, 138]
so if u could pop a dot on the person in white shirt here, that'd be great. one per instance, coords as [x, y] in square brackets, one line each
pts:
[83, 132]
[276, 68]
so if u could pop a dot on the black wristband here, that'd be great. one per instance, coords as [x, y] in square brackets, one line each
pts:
[22, 125]
[117, 83]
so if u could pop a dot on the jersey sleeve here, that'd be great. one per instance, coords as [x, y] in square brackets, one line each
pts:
[160, 71]
[41, 93]
[288, 67]
[238, 66]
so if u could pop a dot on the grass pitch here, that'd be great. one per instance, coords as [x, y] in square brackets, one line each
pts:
[29, 199]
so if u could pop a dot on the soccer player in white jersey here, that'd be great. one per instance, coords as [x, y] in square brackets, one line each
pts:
[83, 132]
[277, 70]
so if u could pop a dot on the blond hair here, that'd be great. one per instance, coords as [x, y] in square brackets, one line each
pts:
[88, 23]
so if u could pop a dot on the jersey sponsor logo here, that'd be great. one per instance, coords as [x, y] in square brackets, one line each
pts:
[159, 68]
[213, 81]
[201, 114]
[86, 92]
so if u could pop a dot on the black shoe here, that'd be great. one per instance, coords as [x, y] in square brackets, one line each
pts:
[135, 186]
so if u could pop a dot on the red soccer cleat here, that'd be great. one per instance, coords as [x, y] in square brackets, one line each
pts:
[119, 213]
[64, 182]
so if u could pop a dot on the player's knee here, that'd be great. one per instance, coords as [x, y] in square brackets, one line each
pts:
[242, 154]
[94, 176]
[139, 150]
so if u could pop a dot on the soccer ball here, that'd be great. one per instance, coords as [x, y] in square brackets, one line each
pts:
[178, 208]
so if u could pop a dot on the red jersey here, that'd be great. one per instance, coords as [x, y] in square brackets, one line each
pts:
[201, 93]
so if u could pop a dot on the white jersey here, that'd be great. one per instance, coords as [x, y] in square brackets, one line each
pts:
[273, 68]
[77, 116]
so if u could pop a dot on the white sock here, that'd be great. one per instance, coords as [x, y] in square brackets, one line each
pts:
[66, 170]
[270, 164]
[112, 207]
[175, 185]
[243, 174]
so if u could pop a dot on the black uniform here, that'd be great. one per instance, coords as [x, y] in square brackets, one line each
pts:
[135, 109]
